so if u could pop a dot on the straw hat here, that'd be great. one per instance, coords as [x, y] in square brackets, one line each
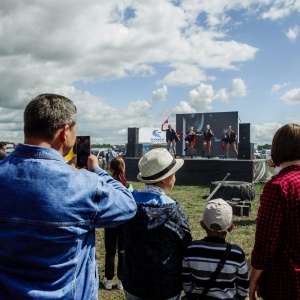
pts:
[157, 165]
[219, 212]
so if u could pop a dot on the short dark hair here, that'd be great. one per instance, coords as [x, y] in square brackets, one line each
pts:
[214, 231]
[46, 113]
[2, 144]
[286, 144]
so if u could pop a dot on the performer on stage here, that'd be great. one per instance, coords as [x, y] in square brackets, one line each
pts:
[207, 135]
[190, 140]
[230, 139]
[171, 137]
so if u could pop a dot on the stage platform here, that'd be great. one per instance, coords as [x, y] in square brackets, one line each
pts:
[202, 171]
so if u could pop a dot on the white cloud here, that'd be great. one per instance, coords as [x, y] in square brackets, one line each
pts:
[263, 134]
[184, 74]
[292, 96]
[143, 70]
[293, 120]
[44, 49]
[279, 9]
[96, 42]
[138, 108]
[202, 98]
[11, 125]
[238, 88]
[160, 94]
[276, 87]
[293, 33]
[183, 108]
[222, 95]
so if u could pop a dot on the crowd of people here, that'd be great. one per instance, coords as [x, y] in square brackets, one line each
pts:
[49, 211]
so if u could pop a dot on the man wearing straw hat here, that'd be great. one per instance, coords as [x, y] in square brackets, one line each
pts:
[158, 234]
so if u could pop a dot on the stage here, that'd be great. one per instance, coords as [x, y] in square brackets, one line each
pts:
[202, 171]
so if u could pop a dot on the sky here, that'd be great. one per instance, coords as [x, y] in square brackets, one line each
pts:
[135, 63]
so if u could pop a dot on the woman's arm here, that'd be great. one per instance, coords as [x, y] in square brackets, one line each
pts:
[254, 286]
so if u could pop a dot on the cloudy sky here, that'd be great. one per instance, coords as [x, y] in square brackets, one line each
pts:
[137, 62]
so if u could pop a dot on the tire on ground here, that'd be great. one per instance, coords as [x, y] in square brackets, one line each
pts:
[234, 189]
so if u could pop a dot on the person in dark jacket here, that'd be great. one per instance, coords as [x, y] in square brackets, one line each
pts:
[155, 239]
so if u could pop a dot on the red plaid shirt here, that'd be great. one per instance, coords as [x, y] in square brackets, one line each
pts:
[277, 239]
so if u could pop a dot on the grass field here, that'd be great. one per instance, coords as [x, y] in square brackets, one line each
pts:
[193, 200]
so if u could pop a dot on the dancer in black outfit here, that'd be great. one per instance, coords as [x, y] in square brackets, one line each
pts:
[207, 135]
[190, 140]
[230, 139]
[171, 137]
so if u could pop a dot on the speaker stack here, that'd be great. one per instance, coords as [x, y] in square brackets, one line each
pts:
[245, 148]
[132, 142]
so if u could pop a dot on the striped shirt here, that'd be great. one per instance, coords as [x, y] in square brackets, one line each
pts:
[200, 261]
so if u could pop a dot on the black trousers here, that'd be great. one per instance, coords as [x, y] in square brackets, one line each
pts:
[112, 236]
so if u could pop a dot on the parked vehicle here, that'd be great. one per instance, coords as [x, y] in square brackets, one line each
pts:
[100, 153]
[257, 154]
[266, 154]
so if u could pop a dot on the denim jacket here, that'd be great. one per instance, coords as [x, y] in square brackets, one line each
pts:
[48, 216]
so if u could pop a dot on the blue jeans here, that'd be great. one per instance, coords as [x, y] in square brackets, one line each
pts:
[132, 297]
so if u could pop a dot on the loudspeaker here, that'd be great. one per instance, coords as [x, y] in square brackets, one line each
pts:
[244, 133]
[139, 150]
[134, 150]
[130, 151]
[133, 135]
[133, 138]
[246, 151]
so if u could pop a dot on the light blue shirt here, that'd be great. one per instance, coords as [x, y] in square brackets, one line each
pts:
[112, 154]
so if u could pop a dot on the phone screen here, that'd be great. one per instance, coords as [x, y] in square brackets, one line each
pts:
[83, 150]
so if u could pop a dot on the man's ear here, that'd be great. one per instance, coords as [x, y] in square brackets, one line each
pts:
[63, 133]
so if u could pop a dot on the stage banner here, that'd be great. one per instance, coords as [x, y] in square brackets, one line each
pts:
[150, 135]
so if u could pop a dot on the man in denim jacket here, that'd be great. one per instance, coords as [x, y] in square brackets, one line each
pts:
[49, 211]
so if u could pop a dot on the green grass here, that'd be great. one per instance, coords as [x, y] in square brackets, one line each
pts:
[193, 200]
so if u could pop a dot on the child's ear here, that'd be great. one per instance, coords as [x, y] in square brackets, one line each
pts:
[230, 228]
[202, 225]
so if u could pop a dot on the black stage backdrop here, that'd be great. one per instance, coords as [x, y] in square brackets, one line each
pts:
[218, 121]
[204, 171]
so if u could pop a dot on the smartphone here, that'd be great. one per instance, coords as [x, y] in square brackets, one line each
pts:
[83, 150]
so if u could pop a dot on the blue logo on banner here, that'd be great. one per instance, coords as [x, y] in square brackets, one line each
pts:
[156, 137]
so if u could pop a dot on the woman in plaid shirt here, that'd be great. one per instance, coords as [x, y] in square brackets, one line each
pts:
[275, 261]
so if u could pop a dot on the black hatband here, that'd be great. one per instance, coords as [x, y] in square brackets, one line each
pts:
[161, 173]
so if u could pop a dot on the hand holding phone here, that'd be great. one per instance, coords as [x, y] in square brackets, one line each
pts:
[83, 150]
